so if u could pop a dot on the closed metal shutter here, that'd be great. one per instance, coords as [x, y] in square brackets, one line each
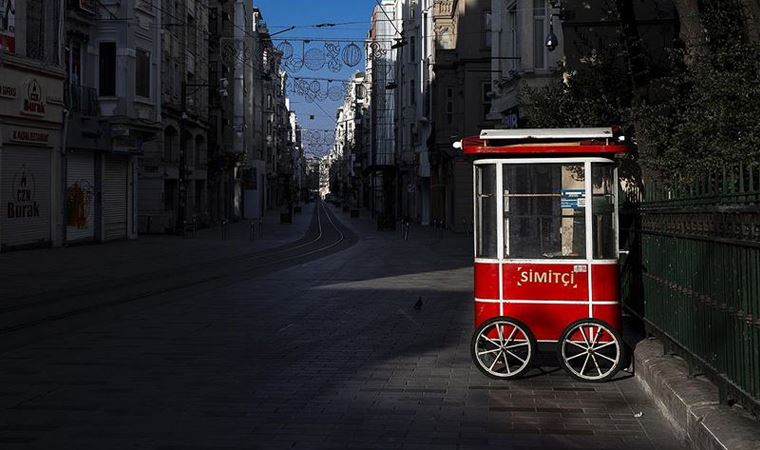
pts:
[115, 198]
[80, 196]
[25, 196]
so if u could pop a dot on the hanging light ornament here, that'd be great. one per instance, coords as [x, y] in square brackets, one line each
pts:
[352, 55]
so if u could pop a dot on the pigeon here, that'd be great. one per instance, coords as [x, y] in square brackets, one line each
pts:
[418, 305]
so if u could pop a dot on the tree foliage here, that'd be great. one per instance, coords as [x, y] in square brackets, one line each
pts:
[698, 116]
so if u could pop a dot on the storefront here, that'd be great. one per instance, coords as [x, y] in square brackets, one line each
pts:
[116, 194]
[26, 195]
[81, 190]
[31, 106]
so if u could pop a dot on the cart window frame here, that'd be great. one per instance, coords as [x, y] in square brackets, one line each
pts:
[486, 229]
[590, 241]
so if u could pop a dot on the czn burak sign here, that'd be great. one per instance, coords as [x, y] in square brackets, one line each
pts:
[23, 199]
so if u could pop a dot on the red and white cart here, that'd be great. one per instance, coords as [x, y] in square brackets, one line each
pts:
[546, 249]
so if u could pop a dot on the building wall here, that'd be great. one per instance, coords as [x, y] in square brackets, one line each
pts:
[31, 104]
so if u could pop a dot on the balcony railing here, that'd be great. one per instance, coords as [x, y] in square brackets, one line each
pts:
[81, 99]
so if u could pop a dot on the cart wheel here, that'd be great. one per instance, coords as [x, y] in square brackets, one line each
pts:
[590, 350]
[502, 347]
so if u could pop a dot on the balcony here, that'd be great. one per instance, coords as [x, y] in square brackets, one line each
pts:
[81, 99]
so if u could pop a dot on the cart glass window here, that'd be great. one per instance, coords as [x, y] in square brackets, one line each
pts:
[485, 211]
[544, 211]
[602, 182]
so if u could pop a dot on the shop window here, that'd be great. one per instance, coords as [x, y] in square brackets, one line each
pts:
[107, 69]
[142, 73]
[544, 211]
[485, 211]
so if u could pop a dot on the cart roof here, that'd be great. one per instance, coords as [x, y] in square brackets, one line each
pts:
[551, 141]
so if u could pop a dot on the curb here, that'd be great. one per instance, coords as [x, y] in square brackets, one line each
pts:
[691, 403]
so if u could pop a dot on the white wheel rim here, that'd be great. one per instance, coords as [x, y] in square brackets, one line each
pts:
[590, 351]
[503, 349]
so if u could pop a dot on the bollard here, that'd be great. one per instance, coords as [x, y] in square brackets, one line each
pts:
[405, 225]
[261, 228]
[252, 231]
[225, 229]
[188, 229]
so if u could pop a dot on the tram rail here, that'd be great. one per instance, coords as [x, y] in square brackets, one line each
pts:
[325, 239]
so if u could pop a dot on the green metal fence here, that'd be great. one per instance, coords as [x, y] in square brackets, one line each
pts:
[693, 274]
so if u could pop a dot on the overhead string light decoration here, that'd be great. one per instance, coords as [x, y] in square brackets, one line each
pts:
[316, 55]
[318, 141]
[318, 89]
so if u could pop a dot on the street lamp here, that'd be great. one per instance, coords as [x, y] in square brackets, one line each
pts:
[551, 41]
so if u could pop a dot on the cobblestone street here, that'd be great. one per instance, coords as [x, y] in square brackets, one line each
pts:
[324, 352]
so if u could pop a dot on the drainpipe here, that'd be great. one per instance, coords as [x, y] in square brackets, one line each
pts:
[64, 166]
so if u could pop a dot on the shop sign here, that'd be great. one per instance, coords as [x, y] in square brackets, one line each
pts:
[34, 137]
[529, 276]
[7, 91]
[572, 199]
[33, 100]
[8, 25]
[23, 199]
[510, 118]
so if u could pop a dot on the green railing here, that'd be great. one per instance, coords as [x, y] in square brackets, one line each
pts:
[693, 274]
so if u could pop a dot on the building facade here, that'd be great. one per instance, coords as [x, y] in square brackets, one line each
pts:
[461, 102]
[381, 76]
[173, 175]
[520, 57]
[32, 170]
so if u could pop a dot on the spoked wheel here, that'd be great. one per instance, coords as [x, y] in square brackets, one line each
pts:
[502, 348]
[590, 350]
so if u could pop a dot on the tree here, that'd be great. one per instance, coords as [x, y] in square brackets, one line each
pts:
[696, 115]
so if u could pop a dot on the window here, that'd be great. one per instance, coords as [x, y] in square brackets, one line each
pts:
[485, 211]
[514, 48]
[191, 34]
[412, 49]
[42, 21]
[411, 92]
[107, 69]
[544, 211]
[486, 99]
[142, 73]
[604, 227]
[449, 106]
[213, 21]
[486, 27]
[539, 33]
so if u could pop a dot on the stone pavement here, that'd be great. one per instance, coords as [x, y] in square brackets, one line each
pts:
[25, 274]
[326, 354]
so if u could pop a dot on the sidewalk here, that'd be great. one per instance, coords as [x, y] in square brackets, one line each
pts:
[452, 244]
[77, 266]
